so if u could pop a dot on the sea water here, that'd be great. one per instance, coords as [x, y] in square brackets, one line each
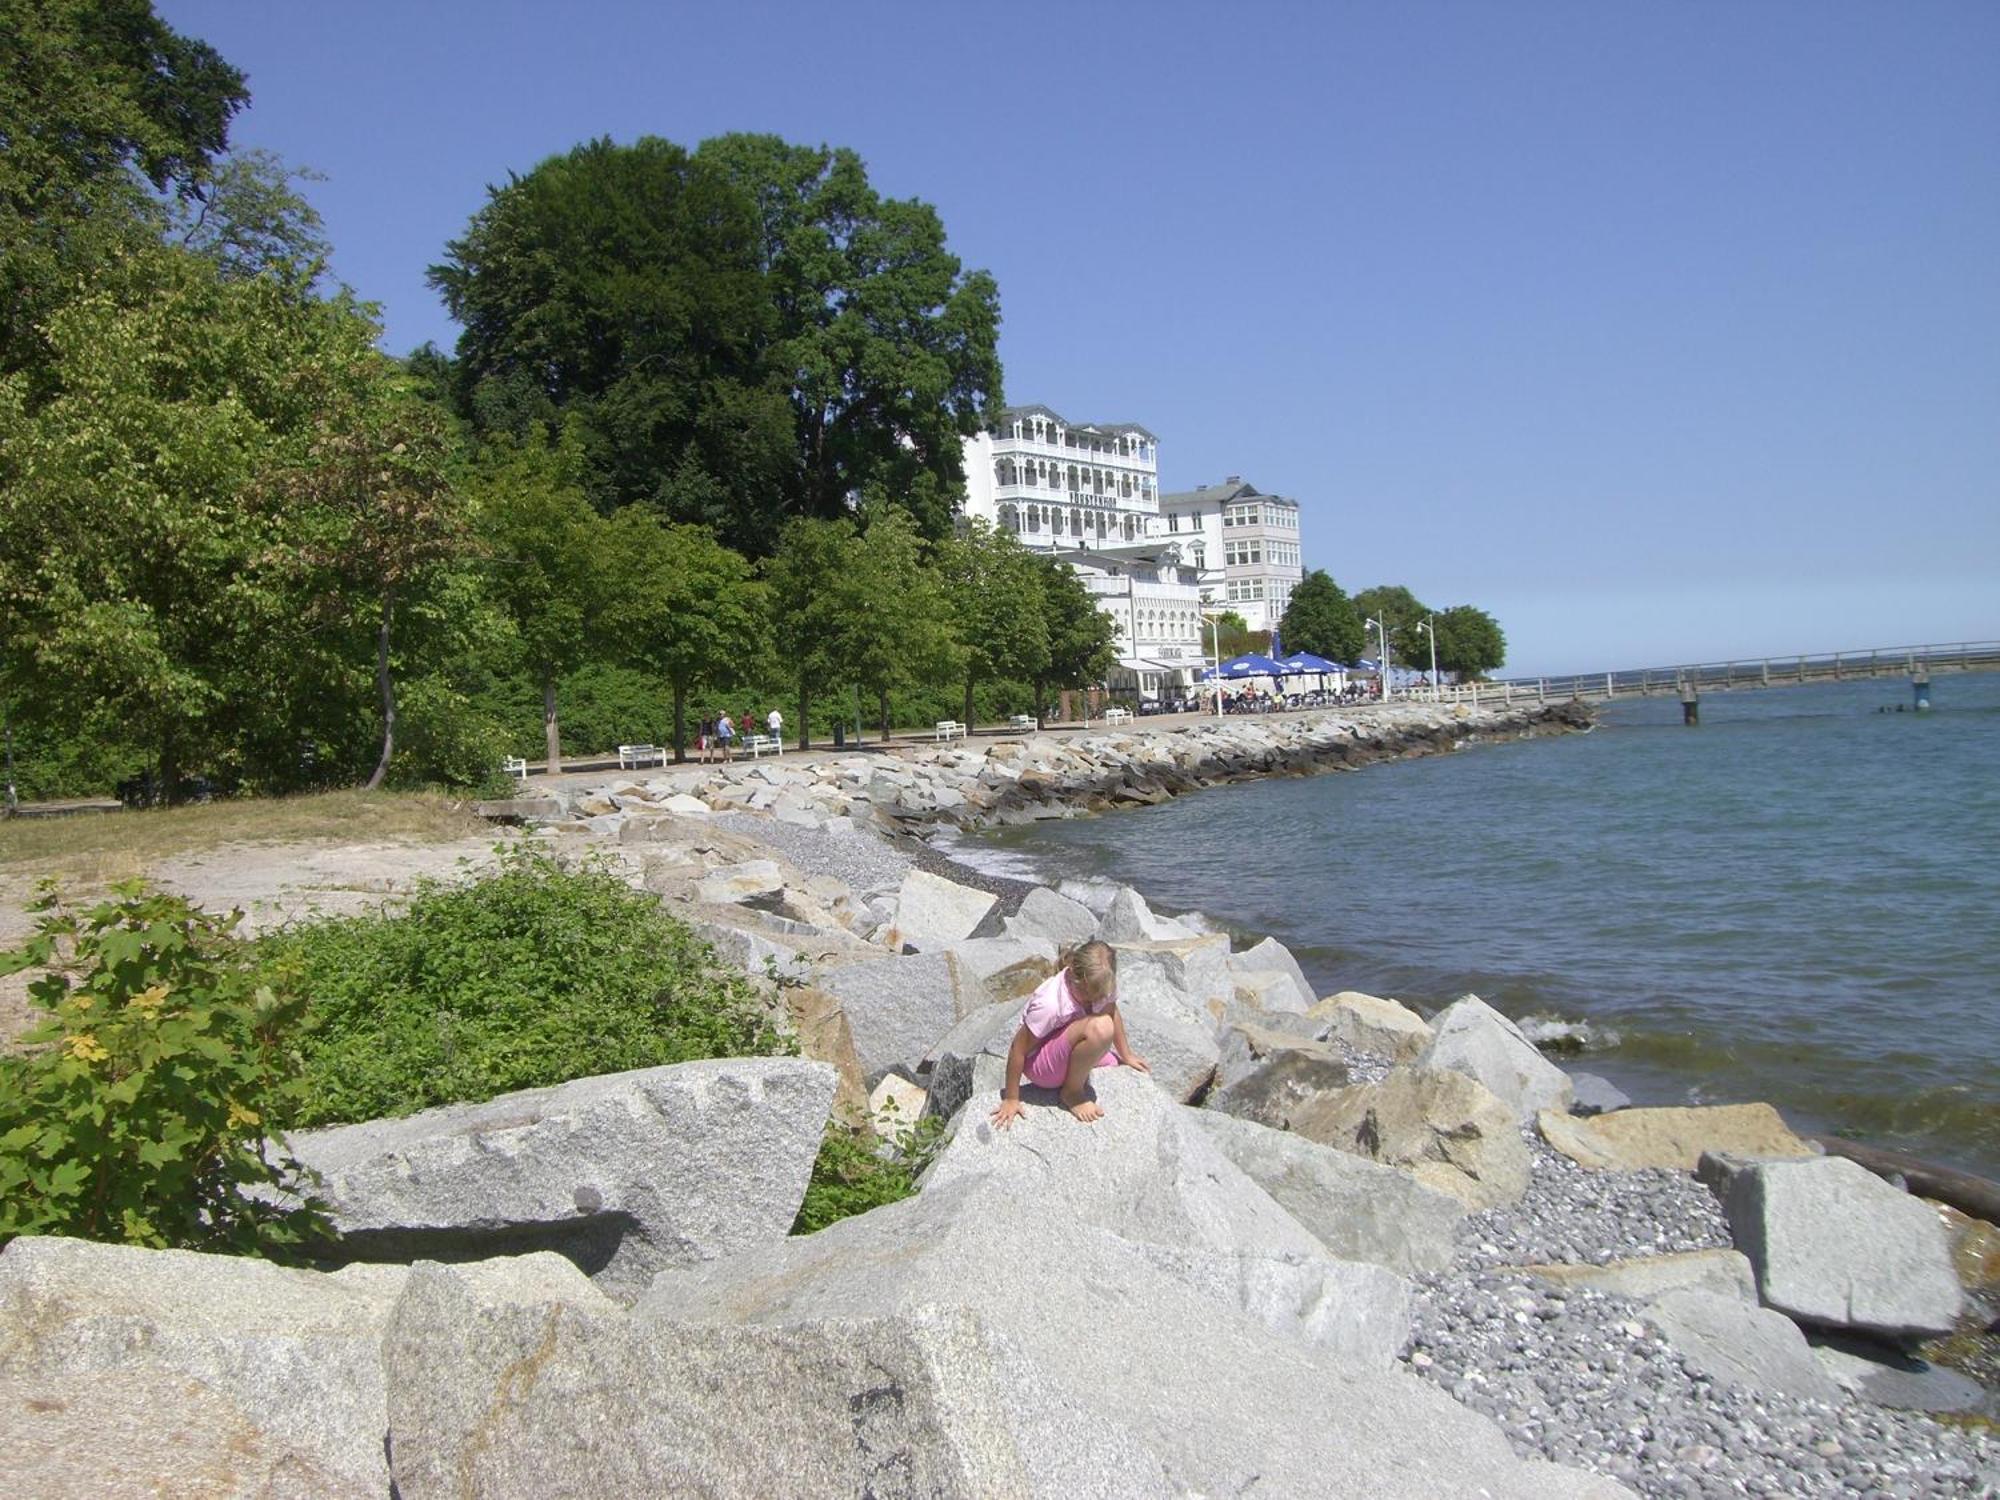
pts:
[1798, 901]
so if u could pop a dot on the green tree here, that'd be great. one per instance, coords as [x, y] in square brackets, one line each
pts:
[1322, 619]
[1082, 637]
[898, 619]
[810, 606]
[1400, 612]
[682, 605]
[1233, 636]
[886, 347]
[995, 588]
[251, 221]
[146, 569]
[544, 547]
[1469, 641]
[99, 100]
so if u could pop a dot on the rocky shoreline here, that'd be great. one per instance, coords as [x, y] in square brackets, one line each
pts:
[1330, 1247]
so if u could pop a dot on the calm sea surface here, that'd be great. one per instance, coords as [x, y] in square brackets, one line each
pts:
[1798, 902]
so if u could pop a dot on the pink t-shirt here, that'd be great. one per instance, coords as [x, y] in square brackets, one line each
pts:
[1054, 1005]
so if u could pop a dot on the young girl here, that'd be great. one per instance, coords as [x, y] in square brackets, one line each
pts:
[1070, 1025]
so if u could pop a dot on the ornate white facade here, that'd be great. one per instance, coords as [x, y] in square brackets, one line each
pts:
[1243, 543]
[1060, 484]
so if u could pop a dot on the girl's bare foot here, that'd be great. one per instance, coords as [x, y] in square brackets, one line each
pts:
[1084, 1109]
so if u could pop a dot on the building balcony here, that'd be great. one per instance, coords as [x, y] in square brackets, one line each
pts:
[1073, 455]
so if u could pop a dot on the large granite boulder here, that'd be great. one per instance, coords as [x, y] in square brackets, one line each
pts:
[624, 1173]
[969, 1300]
[1748, 1347]
[1720, 1273]
[1053, 918]
[1263, 1074]
[1179, 1048]
[1273, 957]
[1634, 1139]
[1130, 920]
[992, 969]
[1357, 1209]
[1471, 1037]
[1189, 972]
[1440, 1125]
[1367, 1023]
[932, 912]
[1834, 1245]
[985, 1034]
[129, 1372]
[897, 1008]
[747, 880]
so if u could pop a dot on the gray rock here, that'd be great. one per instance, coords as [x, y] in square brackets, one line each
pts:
[985, 1034]
[1370, 1024]
[1883, 1377]
[162, 1372]
[1742, 1346]
[1179, 1049]
[758, 955]
[1471, 1037]
[623, 1173]
[1446, 1128]
[1357, 1209]
[740, 882]
[932, 912]
[1192, 1395]
[1264, 1075]
[1834, 1245]
[1056, 919]
[1272, 956]
[1191, 973]
[1720, 1273]
[897, 1008]
[1130, 920]
[1591, 1095]
[993, 969]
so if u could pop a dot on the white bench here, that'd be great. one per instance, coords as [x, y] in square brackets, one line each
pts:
[515, 766]
[948, 729]
[764, 744]
[1117, 715]
[630, 756]
[1021, 721]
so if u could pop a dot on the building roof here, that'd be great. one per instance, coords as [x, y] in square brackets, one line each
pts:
[1231, 488]
[1107, 429]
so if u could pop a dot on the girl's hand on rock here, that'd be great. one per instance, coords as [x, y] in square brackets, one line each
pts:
[1140, 1063]
[1009, 1111]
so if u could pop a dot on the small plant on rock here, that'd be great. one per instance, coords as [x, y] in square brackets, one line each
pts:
[859, 1167]
[141, 1110]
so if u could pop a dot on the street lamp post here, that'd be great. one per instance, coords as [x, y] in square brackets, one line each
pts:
[1425, 627]
[1382, 633]
[1215, 639]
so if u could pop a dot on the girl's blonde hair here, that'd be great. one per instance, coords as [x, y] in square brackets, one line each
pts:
[1093, 970]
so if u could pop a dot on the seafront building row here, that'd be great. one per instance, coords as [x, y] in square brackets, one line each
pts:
[1091, 493]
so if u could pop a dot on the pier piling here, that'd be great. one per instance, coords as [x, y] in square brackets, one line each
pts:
[1690, 702]
[1920, 682]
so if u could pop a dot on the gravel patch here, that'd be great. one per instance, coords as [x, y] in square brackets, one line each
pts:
[866, 861]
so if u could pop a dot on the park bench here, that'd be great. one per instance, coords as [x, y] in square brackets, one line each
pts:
[949, 729]
[1117, 715]
[515, 766]
[630, 756]
[764, 744]
[1021, 721]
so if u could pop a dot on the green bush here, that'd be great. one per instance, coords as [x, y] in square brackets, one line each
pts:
[141, 1108]
[543, 972]
[857, 1170]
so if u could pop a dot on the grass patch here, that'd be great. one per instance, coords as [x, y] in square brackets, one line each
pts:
[857, 1169]
[97, 848]
[543, 972]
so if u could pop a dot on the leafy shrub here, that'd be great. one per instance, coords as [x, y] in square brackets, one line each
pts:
[857, 1170]
[141, 1109]
[543, 972]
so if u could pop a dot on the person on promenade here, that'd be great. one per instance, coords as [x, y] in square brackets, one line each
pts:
[1070, 1025]
[776, 725]
[725, 735]
[701, 742]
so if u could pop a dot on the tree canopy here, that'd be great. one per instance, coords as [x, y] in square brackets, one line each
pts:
[1322, 619]
[1469, 641]
[748, 332]
[1400, 612]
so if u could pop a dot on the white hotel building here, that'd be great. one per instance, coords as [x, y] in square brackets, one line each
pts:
[1245, 544]
[1091, 492]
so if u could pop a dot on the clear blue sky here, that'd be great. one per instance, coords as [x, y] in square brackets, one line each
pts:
[1665, 332]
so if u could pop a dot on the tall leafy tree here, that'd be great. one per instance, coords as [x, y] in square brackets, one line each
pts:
[995, 587]
[543, 547]
[886, 347]
[1400, 612]
[1469, 641]
[899, 629]
[679, 603]
[251, 219]
[620, 287]
[1082, 637]
[1322, 619]
[810, 609]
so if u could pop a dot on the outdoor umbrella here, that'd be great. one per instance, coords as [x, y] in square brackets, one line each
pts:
[1251, 665]
[1305, 661]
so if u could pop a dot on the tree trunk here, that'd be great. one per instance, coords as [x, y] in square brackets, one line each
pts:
[166, 794]
[805, 708]
[1041, 701]
[885, 716]
[968, 703]
[680, 723]
[551, 730]
[386, 685]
